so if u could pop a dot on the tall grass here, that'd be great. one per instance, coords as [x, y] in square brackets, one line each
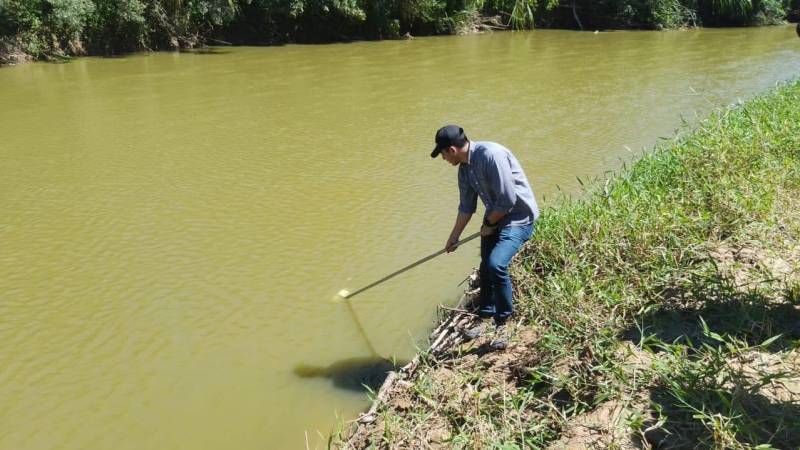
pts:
[640, 242]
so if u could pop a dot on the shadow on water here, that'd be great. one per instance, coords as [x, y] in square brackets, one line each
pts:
[205, 51]
[193, 51]
[353, 374]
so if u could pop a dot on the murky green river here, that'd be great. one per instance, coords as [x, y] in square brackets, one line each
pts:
[173, 226]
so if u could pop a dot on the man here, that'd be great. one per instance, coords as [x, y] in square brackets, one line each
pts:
[489, 171]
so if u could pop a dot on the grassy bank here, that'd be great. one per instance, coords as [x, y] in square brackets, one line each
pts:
[661, 309]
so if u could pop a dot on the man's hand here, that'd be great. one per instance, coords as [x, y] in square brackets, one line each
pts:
[458, 228]
[451, 245]
[487, 230]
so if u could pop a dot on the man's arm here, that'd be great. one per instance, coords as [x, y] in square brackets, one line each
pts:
[490, 222]
[468, 203]
[461, 222]
[495, 216]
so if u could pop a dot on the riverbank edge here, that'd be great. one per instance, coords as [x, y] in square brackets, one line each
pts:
[661, 308]
[12, 54]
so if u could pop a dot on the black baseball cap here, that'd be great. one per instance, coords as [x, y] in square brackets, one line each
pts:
[447, 136]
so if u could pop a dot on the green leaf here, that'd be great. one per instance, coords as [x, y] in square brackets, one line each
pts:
[769, 341]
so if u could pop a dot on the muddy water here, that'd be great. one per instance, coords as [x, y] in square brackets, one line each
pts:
[173, 226]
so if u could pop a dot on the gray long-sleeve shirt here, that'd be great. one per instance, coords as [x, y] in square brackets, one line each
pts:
[494, 174]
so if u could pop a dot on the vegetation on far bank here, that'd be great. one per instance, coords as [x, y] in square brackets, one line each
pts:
[659, 310]
[47, 29]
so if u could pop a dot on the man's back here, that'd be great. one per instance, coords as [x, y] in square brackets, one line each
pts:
[496, 176]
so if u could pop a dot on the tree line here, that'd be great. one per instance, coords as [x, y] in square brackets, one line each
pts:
[59, 28]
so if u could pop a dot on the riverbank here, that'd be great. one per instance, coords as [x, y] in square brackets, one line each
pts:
[46, 30]
[662, 308]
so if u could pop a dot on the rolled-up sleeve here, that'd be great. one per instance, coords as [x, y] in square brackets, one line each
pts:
[501, 180]
[468, 202]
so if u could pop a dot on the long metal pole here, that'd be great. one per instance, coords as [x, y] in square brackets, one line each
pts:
[408, 267]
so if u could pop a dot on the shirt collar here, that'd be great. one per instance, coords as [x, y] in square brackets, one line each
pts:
[470, 151]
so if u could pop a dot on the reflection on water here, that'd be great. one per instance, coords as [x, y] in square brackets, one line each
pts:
[355, 374]
[207, 51]
[360, 327]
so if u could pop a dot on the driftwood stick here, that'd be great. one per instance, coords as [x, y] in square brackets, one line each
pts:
[369, 416]
[457, 310]
[435, 343]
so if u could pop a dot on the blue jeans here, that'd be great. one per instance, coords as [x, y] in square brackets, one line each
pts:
[496, 252]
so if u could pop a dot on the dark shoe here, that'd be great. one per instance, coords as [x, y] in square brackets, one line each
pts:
[485, 314]
[500, 338]
[477, 331]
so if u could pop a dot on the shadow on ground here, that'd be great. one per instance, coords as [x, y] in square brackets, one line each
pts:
[755, 418]
[752, 316]
[353, 374]
[710, 396]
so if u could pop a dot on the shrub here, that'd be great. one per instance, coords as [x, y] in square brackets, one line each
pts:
[45, 27]
[116, 26]
[520, 14]
[183, 23]
[769, 12]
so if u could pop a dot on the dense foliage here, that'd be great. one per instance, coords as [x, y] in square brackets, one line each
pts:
[52, 28]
